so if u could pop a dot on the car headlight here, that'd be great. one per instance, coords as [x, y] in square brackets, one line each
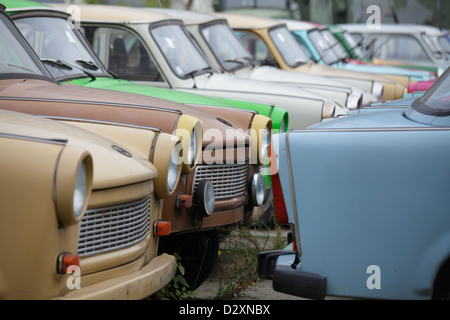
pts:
[261, 135]
[257, 189]
[378, 90]
[354, 101]
[73, 185]
[167, 157]
[283, 126]
[206, 198]
[190, 131]
[329, 110]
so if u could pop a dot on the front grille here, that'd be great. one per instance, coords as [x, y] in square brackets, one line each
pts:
[229, 180]
[115, 227]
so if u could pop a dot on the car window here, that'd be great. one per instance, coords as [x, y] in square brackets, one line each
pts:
[254, 44]
[436, 100]
[123, 53]
[397, 47]
[444, 42]
[225, 46]
[52, 38]
[182, 54]
[334, 44]
[323, 47]
[15, 59]
[288, 46]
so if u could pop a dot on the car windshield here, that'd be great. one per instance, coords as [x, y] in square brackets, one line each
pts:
[226, 46]
[444, 42]
[334, 44]
[179, 50]
[436, 101]
[354, 45]
[322, 46]
[57, 44]
[17, 59]
[288, 46]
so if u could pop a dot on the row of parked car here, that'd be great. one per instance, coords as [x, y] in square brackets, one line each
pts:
[155, 128]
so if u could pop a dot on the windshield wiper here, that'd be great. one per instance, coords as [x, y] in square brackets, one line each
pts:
[21, 68]
[67, 66]
[87, 64]
[57, 63]
[194, 73]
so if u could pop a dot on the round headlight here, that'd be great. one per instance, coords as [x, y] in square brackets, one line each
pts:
[79, 197]
[283, 126]
[265, 144]
[329, 110]
[354, 101]
[190, 132]
[172, 172]
[73, 185]
[206, 198]
[192, 151]
[167, 157]
[261, 135]
[257, 189]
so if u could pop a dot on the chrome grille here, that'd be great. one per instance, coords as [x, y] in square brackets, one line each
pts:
[115, 227]
[229, 180]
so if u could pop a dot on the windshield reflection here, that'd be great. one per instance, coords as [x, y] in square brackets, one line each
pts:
[183, 56]
[13, 54]
[437, 98]
[226, 47]
[288, 46]
[56, 43]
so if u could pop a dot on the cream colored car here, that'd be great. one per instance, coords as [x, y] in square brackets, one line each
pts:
[79, 214]
[269, 39]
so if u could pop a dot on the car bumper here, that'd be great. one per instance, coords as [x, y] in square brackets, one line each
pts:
[289, 280]
[134, 286]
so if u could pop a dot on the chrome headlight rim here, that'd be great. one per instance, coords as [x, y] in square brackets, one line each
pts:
[73, 185]
[378, 90]
[257, 189]
[265, 144]
[261, 139]
[167, 157]
[329, 110]
[206, 198]
[190, 131]
[354, 101]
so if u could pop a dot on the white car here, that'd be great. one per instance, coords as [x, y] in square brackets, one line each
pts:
[401, 44]
[225, 52]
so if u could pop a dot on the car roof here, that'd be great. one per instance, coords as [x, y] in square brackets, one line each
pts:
[384, 28]
[247, 21]
[115, 13]
[299, 25]
[188, 17]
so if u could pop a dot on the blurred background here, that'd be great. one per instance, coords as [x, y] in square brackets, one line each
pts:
[429, 12]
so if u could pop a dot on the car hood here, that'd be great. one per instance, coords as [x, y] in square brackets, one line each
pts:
[380, 119]
[239, 118]
[324, 70]
[69, 100]
[267, 73]
[111, 168]
[229, 82]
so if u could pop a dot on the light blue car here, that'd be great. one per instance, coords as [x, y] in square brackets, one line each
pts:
[368, 201]
[326, 49]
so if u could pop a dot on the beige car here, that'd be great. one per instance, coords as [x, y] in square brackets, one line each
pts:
[269, 39]
[79, 212]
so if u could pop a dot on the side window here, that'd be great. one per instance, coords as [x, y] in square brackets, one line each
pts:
[400, 47]
[254, 45]
[123, 53]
